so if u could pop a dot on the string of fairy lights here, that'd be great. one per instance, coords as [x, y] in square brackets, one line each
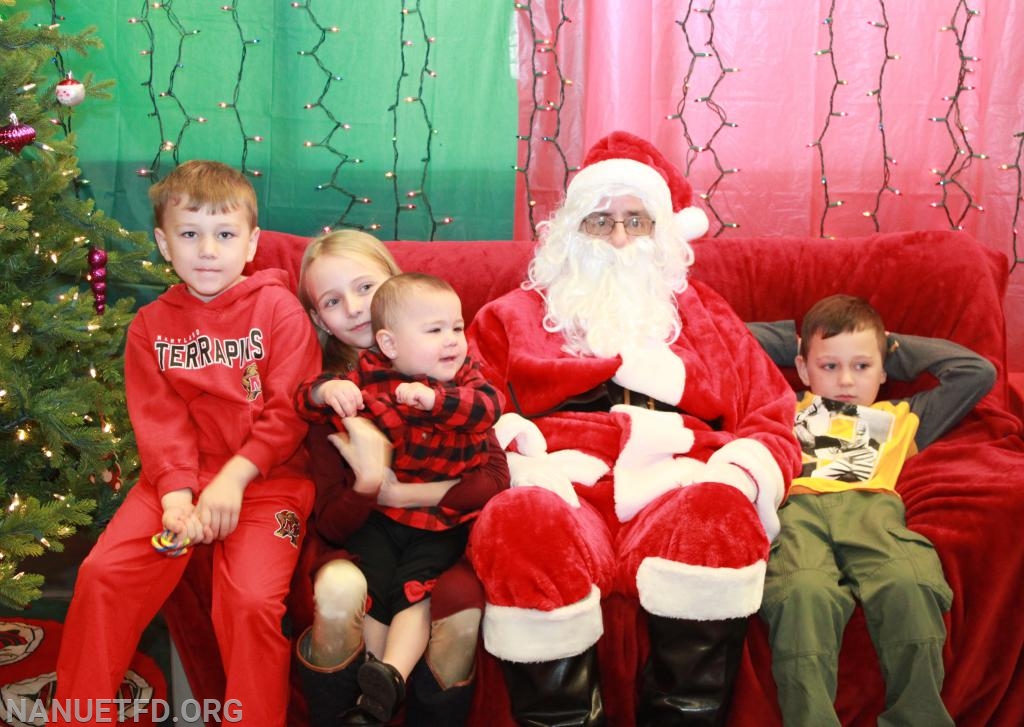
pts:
[165, 124]
[952, 178]
[416, 41]
[64, 115]
[544, 118]
[409, 107]
[171, 138]
[885, 186]
[244, 44]
[953, 175]
[542, 142]
[63, 120]
[341, 157]
[695, 148]
[1019, 198]
[817, 144]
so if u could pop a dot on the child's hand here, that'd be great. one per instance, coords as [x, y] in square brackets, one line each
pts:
[220, 502]
[341, 395]
[179, 517]
[218, 507]
[414, 393]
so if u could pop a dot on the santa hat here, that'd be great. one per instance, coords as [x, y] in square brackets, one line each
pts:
[623, 161]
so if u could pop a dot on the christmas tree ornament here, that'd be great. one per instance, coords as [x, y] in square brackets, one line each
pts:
[70, 92]
[97, 277]
[97, 257]
[16, 136]
[110, 475]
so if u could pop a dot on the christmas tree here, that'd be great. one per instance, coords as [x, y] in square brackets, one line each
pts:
[65, 441]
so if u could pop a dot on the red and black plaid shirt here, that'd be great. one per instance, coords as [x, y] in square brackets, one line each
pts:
[429, 446]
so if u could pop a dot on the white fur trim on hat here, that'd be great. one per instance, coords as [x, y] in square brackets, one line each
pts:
[606, 177]
[531, 635]
[682, 590]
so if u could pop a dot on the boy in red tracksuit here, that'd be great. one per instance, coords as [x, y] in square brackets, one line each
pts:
[210, 371]
[435, 407]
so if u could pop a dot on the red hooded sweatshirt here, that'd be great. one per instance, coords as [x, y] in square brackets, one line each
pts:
[208, 380]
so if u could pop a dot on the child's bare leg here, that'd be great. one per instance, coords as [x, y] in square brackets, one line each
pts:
[383, 681]
[375, 634]
[340, 596]
[407, 637]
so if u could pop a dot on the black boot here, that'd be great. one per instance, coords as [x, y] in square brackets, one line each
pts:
[431, 705]
[689, 676]
[382, 687]
[565, 692]
[330, 692]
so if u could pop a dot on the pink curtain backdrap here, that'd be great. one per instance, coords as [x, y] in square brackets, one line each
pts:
[889, 70]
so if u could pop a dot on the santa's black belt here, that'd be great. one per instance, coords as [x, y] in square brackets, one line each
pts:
[602, 398]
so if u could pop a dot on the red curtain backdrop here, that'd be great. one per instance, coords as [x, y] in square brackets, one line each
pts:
[832, 107]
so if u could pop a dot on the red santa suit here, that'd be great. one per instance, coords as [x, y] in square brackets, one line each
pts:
[665, 490]
[667, 502]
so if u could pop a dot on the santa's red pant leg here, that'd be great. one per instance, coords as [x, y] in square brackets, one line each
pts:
[544, 566]
[695, 557]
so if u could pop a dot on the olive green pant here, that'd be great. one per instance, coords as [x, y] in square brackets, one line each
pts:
[834, 549]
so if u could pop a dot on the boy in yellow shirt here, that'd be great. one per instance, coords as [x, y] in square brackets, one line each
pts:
[844, 536]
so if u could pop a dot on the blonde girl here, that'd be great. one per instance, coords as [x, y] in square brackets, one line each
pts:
[339, 273]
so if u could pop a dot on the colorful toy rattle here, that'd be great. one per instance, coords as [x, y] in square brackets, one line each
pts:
[164, 543]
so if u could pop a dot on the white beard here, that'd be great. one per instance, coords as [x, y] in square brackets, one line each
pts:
[608, 300]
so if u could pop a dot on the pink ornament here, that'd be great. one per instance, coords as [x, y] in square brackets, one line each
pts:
[97, 257]
[70, 92]
[16, 136]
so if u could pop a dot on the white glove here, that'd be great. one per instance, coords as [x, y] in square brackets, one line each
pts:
[653, 436]
[648, 466]
[727, 473]
[528, 438]
[653, 370]
[556, 472]
[760, 470]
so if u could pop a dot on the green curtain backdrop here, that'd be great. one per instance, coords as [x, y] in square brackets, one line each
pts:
[424, 95]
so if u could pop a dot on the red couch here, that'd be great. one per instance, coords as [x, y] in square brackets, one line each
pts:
[965, 492]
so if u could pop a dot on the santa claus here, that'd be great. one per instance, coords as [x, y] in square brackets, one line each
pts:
[650, 444]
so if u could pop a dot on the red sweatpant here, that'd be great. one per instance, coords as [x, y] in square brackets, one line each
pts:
[123, 583]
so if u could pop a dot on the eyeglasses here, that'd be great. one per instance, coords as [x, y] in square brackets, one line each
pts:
[599, 225]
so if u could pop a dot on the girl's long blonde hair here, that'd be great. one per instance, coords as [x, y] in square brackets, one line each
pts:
[338, 356]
